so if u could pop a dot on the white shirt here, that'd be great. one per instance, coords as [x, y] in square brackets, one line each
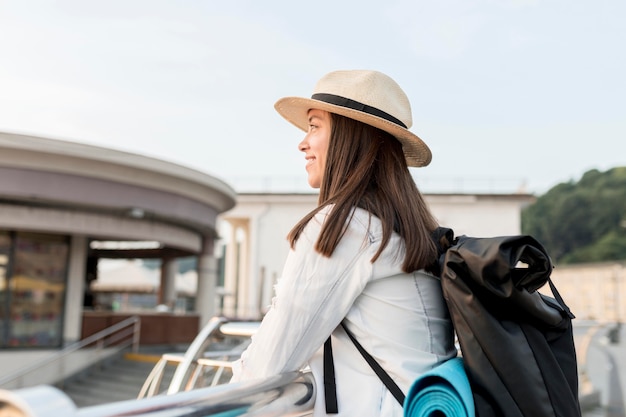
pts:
[400, 319]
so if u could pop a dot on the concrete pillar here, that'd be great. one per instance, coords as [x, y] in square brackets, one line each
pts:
[254, 272]
[167, 293]
[244, 296]
[231, 270]
[240, 287]
[73, 319]
[206, 294]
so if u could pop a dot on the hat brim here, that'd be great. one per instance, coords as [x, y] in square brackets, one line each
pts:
[295, 110]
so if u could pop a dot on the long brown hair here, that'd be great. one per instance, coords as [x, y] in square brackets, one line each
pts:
[365, 167]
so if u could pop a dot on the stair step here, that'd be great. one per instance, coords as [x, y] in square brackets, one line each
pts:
[115, 380]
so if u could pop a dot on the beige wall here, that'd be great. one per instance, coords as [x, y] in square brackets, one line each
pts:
[593, 291]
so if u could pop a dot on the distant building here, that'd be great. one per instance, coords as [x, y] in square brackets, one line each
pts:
[64, 206]
[254, 234]
[254, 237]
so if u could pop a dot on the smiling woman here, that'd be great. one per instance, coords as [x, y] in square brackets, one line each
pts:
[357, 261]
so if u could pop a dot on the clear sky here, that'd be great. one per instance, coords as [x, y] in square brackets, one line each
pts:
[507, 93]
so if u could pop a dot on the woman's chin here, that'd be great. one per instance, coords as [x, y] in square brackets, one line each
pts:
[313, 183]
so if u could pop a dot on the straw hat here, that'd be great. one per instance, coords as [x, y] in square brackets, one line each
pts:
[370, 97]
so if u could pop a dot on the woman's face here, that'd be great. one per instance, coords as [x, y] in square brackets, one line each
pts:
[315, 145]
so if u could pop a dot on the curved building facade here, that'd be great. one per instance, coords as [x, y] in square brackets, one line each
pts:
[60, 202]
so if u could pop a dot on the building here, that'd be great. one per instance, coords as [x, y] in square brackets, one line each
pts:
[254, 234]
[64, 206]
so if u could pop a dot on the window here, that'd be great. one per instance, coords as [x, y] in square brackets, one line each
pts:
[34, 276]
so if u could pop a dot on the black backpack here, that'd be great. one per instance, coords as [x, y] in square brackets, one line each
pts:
[517, 344]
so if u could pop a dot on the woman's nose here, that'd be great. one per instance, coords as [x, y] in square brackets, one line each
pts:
[304, 145]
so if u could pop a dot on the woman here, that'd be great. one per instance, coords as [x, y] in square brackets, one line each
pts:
[359, 257]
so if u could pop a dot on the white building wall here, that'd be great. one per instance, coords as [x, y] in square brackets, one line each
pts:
[475, 215]
[270, 217]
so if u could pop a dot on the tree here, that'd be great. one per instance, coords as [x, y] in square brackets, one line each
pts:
[584, 221]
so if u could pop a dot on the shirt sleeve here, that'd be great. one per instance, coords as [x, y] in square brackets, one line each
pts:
[313, 295]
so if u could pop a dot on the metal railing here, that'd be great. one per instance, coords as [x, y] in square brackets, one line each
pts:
[213, 366]
[290, 394]
[78, 355]
[199, 367]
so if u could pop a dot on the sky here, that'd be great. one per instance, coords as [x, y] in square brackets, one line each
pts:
[510, 95]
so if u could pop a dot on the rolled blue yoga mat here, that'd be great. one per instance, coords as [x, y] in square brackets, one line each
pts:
[443, 391]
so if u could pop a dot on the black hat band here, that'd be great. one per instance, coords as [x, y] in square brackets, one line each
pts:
[355, 105]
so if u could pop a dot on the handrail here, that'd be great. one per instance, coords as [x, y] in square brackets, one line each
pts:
[194, 352]
[290, 394]
[191, 365]
[152, 383]
[118, 333]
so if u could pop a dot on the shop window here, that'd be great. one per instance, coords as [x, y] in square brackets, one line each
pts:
[33, 298]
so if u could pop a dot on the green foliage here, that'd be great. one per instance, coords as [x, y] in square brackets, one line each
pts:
[584, 221]
[612, 246]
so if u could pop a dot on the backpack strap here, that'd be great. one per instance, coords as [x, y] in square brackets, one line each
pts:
[382, 374]
[331, 397]
[560, 300]
[330, 389]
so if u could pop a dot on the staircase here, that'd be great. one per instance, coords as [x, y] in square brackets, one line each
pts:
[116, 379]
